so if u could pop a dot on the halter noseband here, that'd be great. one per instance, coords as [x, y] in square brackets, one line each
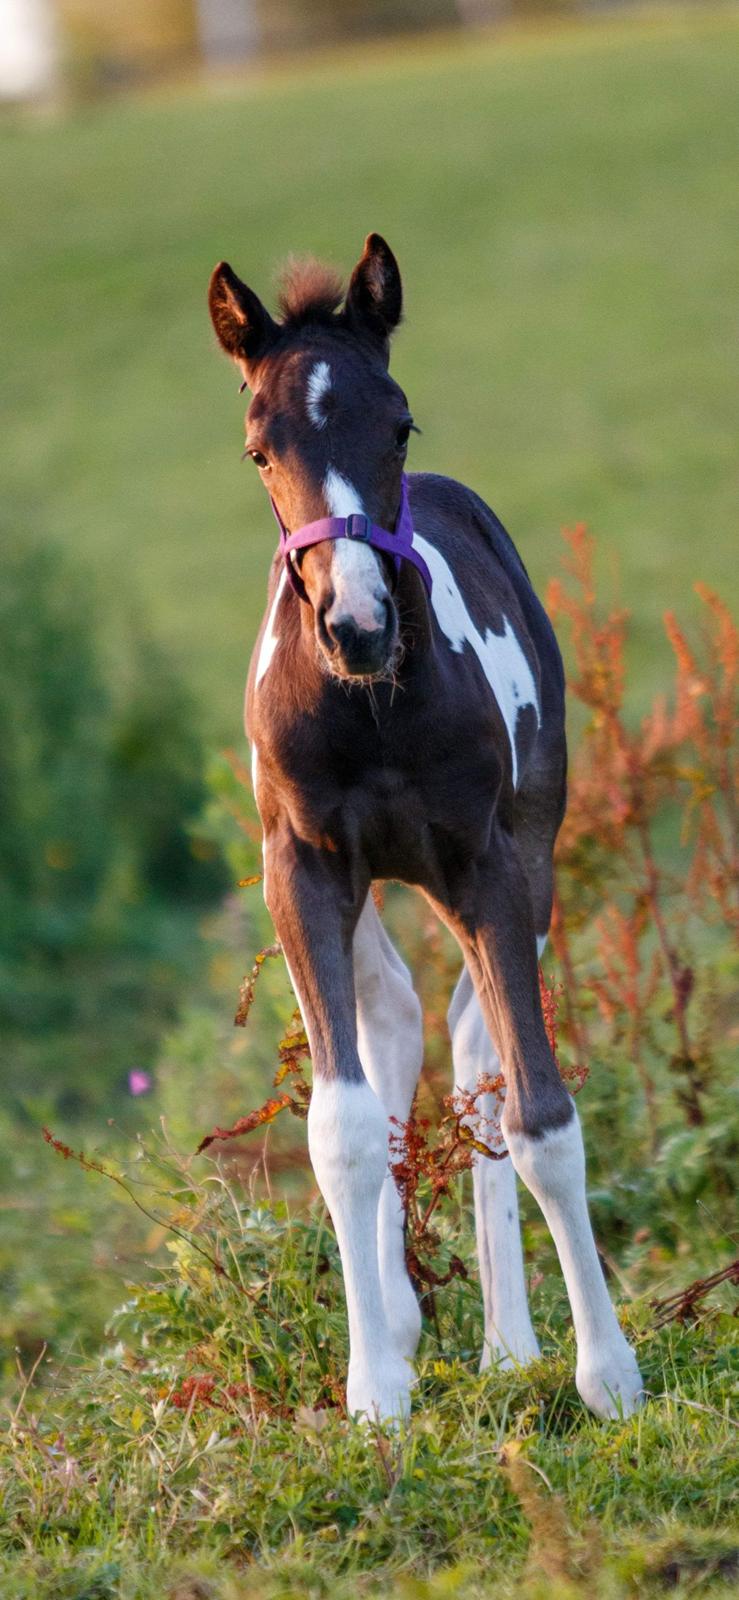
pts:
[356, 526]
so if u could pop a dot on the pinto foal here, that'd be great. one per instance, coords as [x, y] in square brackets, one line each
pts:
[406, 716]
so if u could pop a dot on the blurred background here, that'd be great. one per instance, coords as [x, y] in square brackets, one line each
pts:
[558, 181]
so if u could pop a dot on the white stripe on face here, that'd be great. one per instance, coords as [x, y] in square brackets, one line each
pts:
[500, 655]
[270, 639]
[319, 383]
[356, 575]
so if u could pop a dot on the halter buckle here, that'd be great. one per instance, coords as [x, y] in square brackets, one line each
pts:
[358, 526]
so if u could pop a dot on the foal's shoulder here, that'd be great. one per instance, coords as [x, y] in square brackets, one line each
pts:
[449, 509]
[455, 520]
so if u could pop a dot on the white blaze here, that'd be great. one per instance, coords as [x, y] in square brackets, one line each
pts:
[500, 655]
[358, 585]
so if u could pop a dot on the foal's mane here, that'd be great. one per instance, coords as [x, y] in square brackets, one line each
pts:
[308, 290]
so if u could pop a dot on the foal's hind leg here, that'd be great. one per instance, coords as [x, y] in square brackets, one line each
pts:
[390, 1044]
[509, 1337]
[493, 920]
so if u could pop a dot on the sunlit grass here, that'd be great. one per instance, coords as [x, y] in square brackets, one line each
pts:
[210, 1436]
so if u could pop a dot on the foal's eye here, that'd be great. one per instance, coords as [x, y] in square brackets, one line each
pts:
[402, 436]
[257, 457]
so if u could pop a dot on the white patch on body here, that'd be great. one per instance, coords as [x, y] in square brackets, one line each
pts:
[509, 1338]
[356, 575]
[318, 385]
[500, 655]
[553, 1169]
[348, 1143]
[390, 1044]
[270, 639]
[541, 940]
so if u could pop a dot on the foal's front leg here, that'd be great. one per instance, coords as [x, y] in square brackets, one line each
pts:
[390, 1040]
[314, 907]
[495, 925]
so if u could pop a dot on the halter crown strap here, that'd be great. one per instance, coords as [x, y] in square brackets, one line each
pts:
[356, 526]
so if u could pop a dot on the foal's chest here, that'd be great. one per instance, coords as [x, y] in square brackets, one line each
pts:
[405, 799]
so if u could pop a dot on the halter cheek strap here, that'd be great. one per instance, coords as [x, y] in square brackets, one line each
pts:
[356, 526]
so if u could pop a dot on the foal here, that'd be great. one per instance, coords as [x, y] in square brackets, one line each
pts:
[405, 707]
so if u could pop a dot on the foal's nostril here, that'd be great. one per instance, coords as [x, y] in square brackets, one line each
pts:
[358, 651]
[347, 636]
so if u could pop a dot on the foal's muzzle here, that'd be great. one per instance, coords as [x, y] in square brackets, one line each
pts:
[353, 652]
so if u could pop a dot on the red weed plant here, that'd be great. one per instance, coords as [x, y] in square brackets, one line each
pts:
[425, 1161]
[627, 784]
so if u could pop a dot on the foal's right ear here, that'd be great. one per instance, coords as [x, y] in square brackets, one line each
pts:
[244, 328]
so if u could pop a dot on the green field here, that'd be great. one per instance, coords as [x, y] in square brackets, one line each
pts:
[562, 202]
[562, 206]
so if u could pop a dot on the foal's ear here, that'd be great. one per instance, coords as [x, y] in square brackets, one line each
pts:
[374, 301]
[244, 328]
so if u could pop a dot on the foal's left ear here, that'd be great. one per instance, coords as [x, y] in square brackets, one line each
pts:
[374, 301]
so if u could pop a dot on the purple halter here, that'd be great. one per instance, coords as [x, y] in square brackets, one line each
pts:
[357, 526]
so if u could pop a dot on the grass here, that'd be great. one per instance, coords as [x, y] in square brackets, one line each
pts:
[561, 205]
[208, 1441]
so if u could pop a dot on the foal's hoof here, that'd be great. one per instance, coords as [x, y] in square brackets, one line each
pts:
[380, 1395]
[612, 1386]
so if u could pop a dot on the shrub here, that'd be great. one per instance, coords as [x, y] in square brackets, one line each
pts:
[98, 791]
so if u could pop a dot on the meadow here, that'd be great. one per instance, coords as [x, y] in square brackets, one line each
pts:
[561, 208]
[560, 201]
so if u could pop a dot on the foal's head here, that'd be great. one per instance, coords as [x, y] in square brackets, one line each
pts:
[327, 429]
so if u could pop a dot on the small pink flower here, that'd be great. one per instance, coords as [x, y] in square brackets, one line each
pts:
[138, 1082]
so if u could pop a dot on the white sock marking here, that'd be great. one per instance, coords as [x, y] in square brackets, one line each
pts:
[270, 639]
[500, 655]
[318, 385]
[390, 1043]
[509, 1336]
[553, 1169]
[348, 1143]
[356, 575]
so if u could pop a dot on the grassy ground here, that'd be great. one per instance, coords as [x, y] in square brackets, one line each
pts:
[562, 210]
[208, 1442]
